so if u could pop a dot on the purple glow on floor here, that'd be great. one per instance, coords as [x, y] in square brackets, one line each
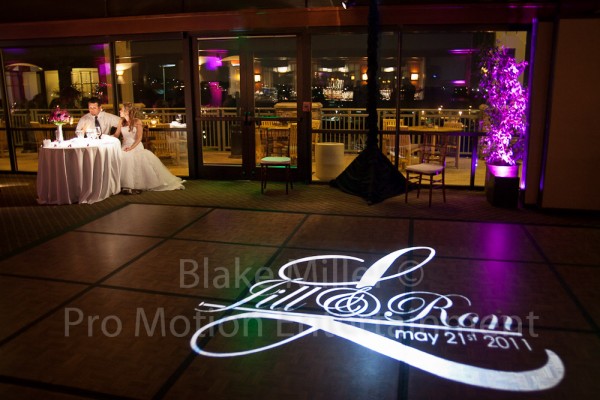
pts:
[496, 240]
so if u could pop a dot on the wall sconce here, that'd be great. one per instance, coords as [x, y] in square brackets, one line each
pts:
[365, 77]
[257, 78]
[414, 77]
[234, 60]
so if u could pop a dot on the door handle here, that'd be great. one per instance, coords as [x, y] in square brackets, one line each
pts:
[247, 121]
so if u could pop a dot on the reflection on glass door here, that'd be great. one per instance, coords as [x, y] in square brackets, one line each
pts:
[219, 63]
[245, 83]
[37, 80]
[275, 97]
[150, 74]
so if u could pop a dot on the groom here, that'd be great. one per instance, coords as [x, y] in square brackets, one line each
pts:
[97, 117]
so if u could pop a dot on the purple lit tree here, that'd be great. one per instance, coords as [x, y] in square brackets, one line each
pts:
[505, 109]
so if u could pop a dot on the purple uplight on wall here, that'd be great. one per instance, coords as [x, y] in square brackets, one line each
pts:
[104, 69]
[505, 107]
[212, 63]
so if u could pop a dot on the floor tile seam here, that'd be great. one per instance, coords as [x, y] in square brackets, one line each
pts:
[185, 364]
[77, 228]
[405, 369]
[130, 261]
[335, 250]
[58, 388]
[194, 205]
[155, 292]
[190, 223]
[564, 284]
[373, 214]
[576, 265]
[550, 328]
[45, 315]
[160, 242]
[437, 255]
[167, 236]
[185, 239]
[264, 210]
[55, 234]
[404, 217]
[275, 246]
[279, 249]
[58, 233]
[139, 235]
[172, 379]
[502, 260]
[379, 215]
[44, 278]
[557, 225]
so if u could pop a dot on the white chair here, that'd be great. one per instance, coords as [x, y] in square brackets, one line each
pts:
[278, 141]
[432, 167]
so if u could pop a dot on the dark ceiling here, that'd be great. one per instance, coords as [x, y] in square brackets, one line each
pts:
[44, 10]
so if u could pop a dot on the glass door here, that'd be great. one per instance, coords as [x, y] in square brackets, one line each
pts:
[245, 83]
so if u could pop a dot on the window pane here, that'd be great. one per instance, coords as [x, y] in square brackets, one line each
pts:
[440, 76]
[434, 84]
[40, 78]
[150, 74]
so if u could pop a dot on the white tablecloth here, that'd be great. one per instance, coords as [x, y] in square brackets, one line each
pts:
[87, 172]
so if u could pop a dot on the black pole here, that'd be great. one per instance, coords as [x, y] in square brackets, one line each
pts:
[371, 175]
[372, 69]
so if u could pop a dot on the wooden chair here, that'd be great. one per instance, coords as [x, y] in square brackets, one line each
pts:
[261, 130]
[159, 141]
[277, 154]
[178, 142]
[3, 142]
[405, 147]
[432, 167]
[453, 142]
[316, 137]
[39, 134]
[146, 138]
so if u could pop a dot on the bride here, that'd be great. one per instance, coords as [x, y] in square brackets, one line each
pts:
[140, 168]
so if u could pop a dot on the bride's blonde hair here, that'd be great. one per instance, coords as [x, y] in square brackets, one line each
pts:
[132, 112]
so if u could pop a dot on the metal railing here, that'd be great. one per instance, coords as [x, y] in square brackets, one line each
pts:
[343, 125]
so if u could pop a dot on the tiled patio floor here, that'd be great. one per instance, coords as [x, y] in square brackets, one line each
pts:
[108, 309]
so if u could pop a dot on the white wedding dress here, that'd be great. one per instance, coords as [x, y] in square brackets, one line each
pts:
[142, 170]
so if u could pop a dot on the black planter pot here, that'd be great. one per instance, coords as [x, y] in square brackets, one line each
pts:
[502, 185]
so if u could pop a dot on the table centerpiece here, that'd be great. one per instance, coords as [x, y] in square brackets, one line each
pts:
[59, 117]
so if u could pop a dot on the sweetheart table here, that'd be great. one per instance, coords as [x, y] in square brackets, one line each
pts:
[81, 170]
